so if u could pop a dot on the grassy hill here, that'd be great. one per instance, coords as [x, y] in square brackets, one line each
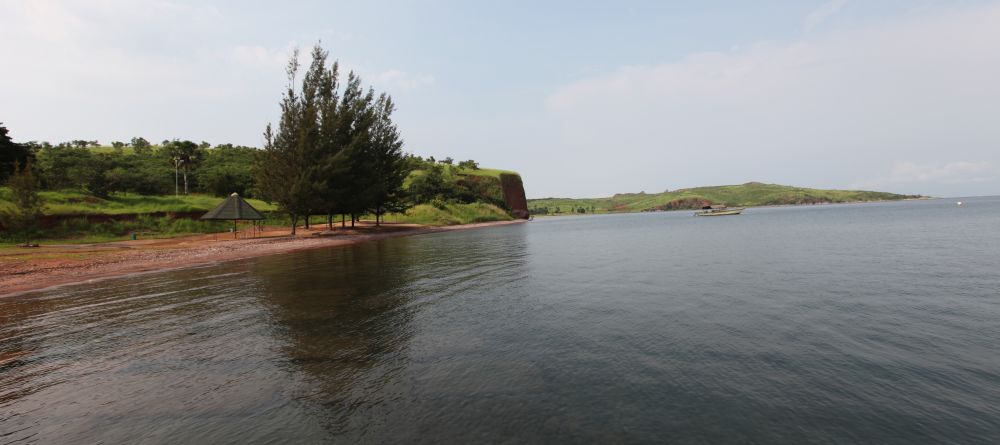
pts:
[483, 182]
[75, 202]
[76, 211]
[749, 194]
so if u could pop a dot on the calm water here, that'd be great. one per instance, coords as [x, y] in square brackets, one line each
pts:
[876, 323]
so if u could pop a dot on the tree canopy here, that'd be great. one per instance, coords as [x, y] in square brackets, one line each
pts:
[11, 154]
[21, 217]
[334, 151]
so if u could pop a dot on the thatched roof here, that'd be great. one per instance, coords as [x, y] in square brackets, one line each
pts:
[233, 208]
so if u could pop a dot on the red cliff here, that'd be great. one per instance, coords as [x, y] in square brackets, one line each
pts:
[513, 195]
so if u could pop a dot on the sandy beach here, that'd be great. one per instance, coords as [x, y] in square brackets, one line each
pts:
[28, 269]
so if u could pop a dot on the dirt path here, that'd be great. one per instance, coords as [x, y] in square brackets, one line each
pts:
[24, 270]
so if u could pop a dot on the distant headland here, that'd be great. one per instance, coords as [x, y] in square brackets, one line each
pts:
[744, 195]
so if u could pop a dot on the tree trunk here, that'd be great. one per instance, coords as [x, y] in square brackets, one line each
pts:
[185, 182]
[329, 221]
[343, 220]
[295, 222]
[352, 220]
[307, 221]
[378, 214]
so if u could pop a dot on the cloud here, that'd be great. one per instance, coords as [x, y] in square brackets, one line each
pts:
[45, 19]
[261, 57]
[826, 111]
[395, 79]
[113, 69]
[822, 14]
[73, 52]
[958, 172]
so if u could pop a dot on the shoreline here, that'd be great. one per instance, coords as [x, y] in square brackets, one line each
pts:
[64, 265]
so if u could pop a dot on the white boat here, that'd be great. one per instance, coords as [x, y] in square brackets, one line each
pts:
[719, 210]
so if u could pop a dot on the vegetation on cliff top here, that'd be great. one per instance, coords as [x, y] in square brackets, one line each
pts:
[749, 194]
[451, 214]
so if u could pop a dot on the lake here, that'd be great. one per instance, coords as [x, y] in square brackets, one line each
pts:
[860, 323]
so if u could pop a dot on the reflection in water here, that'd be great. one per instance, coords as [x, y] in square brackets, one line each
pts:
[342, 323]
[305, 345]
[150, 357]
[348, 315]
[840, 324]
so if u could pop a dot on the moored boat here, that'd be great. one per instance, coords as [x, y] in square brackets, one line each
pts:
[719, 210]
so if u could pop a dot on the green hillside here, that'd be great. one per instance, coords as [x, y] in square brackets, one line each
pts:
[68, 202]
[74, 202]
[749, 194]
[464, 196]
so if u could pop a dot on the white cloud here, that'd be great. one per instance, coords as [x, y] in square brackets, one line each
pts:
[112, 69]
[958, 172]
[67, 49]
[395, 79]
[46, 20]
[827, 111]
[261, 57]
[822, 14]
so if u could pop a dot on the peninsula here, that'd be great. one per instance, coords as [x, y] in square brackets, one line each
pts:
[743, 195]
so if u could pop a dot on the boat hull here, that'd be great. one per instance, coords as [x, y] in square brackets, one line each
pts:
[719, 213]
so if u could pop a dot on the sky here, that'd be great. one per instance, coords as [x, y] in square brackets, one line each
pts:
[582, 98]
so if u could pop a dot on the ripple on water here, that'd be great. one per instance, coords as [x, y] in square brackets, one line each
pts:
[832, 324]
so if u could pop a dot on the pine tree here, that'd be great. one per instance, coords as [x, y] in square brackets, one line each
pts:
[332, 152]
[354, 184]
[331, 162]
[388, 164]
[284, 172]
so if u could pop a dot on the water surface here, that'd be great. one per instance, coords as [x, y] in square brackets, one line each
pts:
[872, 323]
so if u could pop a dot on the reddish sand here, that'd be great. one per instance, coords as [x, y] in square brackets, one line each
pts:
[29, 269]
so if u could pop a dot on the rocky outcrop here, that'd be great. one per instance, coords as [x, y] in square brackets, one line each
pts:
[513, 195]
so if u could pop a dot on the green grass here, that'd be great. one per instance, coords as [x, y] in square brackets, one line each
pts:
[110, 149]
[78, 205]
[485, 181]
[454, 173]
[69, 202]
[78, 230]
[486, 172]
[749, 194]
[451, 214]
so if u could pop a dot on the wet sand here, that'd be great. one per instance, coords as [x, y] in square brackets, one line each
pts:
[28, 269]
